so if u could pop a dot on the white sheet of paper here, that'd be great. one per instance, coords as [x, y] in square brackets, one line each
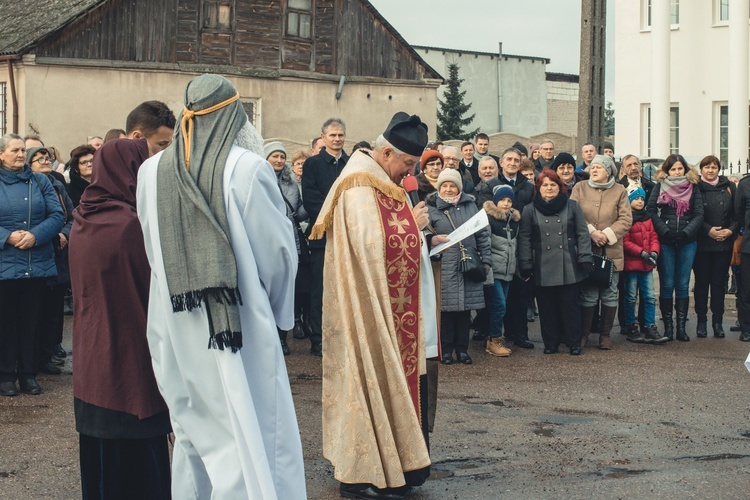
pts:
[747, 362]
[471, 226]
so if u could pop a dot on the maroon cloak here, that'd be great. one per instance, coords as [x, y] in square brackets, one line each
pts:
[110, 278]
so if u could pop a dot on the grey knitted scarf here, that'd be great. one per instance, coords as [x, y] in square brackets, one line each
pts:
[193, 228]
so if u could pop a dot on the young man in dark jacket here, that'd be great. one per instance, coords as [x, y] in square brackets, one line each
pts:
[320, 172]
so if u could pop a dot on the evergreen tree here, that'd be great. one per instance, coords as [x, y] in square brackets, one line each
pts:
[609, 119]
[450, 115]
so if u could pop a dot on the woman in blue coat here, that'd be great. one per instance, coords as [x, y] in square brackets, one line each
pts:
[30, 217]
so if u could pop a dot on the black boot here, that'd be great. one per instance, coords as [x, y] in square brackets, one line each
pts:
[306, 326]
[681, 310]
[718, 329]
[282, 338]
[701, 330]
[653, 336]
[733, 287]
[666, 315]
[298, 332]
[635, 335]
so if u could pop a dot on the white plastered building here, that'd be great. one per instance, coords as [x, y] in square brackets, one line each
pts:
[682, 78]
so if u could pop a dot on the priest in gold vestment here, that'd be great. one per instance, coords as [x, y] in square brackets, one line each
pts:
[379, 319]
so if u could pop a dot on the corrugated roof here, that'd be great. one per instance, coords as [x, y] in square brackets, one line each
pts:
[23, 24]
[479, 53]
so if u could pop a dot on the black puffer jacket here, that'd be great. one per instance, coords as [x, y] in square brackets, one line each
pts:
[718, 211]
[665, 216]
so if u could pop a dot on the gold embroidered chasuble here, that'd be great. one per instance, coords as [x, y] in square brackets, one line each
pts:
[373, 333]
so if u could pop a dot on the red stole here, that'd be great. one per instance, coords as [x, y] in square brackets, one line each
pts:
[402, 260]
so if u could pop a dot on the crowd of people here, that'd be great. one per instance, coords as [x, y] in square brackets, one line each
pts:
[42, 193]
[552, 220]
[555, 222]
[137, 228]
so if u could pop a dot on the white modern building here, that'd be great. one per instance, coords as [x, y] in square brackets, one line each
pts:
[682, 79]
[510, 93]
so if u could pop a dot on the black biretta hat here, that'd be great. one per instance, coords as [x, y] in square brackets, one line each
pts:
[407, 133]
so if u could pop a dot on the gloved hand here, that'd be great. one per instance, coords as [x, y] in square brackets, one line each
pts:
[644, 255]
[526, 274]
[587, 268]
[681, 237]
[670, 237]
[652, 258]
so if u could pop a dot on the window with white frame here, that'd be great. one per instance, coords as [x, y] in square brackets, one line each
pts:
[721, 12]
[724, 135]
[674, 13]
[646, 128]
[674, 129]
[252, 108]
[722, 139]
[3, 109]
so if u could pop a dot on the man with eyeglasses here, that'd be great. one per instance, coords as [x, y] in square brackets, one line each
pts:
[547, 156]
[452, 159]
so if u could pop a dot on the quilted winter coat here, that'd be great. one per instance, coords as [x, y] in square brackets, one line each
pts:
[28, 202]
[642, 237]
[503, 238]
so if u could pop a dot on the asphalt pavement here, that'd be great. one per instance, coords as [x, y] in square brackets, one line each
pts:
[639, 421]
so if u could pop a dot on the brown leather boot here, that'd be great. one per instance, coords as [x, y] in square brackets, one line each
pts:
[608, 319]
[587, 317]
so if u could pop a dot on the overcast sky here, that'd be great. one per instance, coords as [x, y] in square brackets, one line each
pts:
[542, 28]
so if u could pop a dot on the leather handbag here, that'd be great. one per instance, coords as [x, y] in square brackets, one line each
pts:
[471, 264]
[604, 267]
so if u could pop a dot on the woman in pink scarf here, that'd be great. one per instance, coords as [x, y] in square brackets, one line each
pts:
[676, 209]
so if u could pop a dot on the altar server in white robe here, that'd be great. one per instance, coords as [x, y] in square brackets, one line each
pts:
[223, 263]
